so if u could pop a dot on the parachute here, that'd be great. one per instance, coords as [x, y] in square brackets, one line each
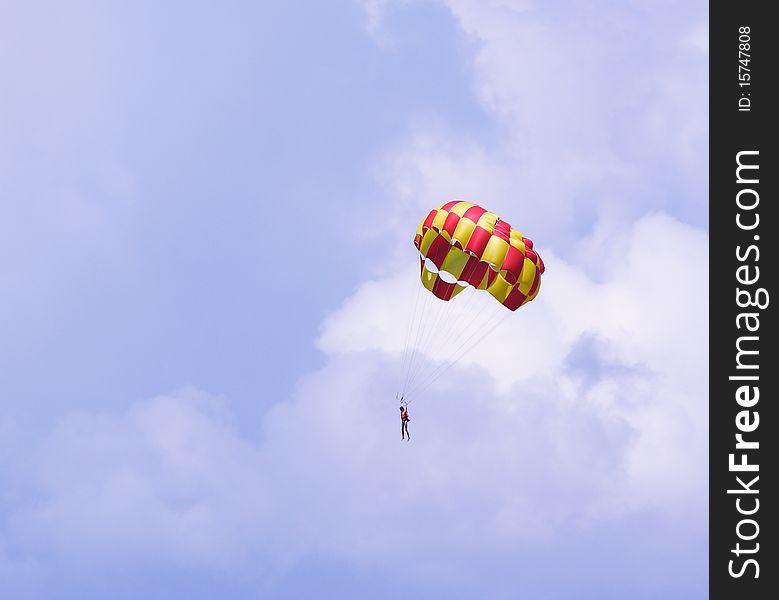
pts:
[464, 250]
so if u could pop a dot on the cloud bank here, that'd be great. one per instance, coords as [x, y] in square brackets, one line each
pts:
[567, 453]
[600, 420]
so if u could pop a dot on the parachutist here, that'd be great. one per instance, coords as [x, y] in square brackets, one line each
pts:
[404, 419]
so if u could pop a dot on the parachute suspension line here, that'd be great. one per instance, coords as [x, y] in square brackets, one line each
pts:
[428, 335]
[415, 348]
[473, 322]
[441, 323]
[441, 335]
[451, 328]
[425, 327]
[479, 322]
[484, 327]
[412, 393]
[455, 317]
[437, 311]
[458, 309]
[430, 331]
[413, 337]
[409, 328]
[467, 346]
[463, 323]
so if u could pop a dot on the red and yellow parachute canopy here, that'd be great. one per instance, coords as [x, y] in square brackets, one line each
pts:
[466, 244]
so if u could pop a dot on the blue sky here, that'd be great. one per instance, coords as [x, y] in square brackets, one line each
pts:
[205, 261]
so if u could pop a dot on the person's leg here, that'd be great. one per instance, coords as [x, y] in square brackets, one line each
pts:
[402, 430]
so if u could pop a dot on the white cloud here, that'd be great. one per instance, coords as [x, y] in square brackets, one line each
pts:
[588, 405]
[171, 480]
[599, 113]
[649, 317]
[167, 481]
[699, 37]
[374, 12]
[601, 121]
